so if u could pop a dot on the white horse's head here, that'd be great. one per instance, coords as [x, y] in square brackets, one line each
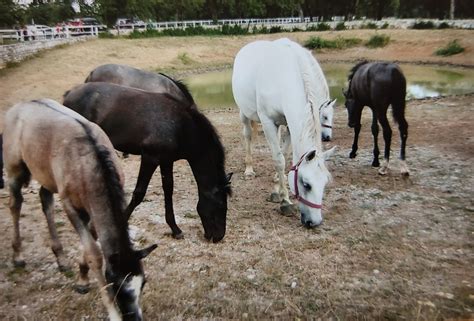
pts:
[326, 113]
[308, 186]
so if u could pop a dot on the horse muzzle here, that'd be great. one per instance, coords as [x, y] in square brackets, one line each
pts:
[326, 138]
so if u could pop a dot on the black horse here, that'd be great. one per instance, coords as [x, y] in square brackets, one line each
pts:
[160, 129]
[378, 85]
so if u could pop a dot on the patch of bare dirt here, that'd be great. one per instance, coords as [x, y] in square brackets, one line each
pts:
[390, 248]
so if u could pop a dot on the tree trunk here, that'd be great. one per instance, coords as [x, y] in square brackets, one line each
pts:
[452, 8]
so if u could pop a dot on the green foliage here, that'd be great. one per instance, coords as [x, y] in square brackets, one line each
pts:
[450, 49]
[338, 43]
[322, 26]
[423, 25]
[444, 25]
[384, 26]
[106, 35]
[340, 26]
[378, 41]
[369, 25]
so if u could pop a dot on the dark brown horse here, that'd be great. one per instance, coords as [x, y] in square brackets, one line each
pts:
[132, 77]
[378, 85]
[73, 157]
[160, 129]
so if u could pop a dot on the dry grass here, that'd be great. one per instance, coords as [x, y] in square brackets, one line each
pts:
[389, 248]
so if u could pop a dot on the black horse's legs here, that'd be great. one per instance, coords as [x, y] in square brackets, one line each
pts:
[375, 133]
[167, 181]
[387, 136]
[148, 166]
[403, 128]
[47, 200]
[353, 153]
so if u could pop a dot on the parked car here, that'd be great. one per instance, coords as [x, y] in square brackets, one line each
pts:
[38, 32]
[90, 21]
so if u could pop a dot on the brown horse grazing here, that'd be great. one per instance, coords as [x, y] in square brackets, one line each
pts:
[132, 77]
[73, 157]
[378, 85]
[162, 130]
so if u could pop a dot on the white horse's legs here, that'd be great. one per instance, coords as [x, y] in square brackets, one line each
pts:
[280, 193]
[247, 133]
[285, 143]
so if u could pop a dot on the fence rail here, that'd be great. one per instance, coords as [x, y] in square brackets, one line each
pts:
[21, 35]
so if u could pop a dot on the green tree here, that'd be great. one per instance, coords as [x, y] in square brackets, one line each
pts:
[10, 13]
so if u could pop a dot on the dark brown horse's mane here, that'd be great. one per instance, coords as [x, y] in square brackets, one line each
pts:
[215, 146]
[355, 68]
[111, 177]
[182, 86]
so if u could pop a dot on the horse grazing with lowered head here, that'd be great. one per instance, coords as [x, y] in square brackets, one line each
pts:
[161, 129]
[132, 77]
[378, 85]
[276, 83]
[73, 157]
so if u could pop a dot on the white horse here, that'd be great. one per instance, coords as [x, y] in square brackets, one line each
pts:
[280, 83]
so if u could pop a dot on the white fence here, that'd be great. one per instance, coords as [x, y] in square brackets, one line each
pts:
[287, 23]
[47, 33]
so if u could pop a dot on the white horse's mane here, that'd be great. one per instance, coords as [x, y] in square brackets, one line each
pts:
[313, 79]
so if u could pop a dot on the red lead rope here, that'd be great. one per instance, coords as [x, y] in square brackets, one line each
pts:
[297, 194]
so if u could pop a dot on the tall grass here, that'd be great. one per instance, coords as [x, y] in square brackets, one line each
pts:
[378, 41]
[338, 43]
[450, 49]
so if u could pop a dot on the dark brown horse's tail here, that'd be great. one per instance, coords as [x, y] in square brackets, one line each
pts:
[398, 100]
[1, 161]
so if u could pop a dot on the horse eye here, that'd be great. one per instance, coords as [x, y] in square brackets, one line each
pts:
[325, 118]
[307, 186]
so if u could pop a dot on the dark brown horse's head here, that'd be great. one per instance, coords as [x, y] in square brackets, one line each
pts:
[125, 275]
[352, 110]
[212, 208]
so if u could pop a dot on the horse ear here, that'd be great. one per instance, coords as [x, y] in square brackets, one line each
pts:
[228, 177]
[310, 155]
[327, 154]
[141, 254]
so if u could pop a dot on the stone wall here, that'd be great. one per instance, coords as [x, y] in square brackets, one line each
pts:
[19, 51]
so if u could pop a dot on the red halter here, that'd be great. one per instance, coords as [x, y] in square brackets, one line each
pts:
[297, 194]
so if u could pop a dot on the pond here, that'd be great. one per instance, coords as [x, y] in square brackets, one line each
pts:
[214, 90]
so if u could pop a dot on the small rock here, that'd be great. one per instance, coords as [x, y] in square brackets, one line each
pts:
[293, 284]
[445, 295]
[376, 271]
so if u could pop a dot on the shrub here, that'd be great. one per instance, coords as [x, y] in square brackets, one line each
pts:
[378, 41]
[338, 43]
[450, 49]
[384, 26]
[369, 25]
[296, 29]
[423, 25]
[340, 26]
[322, 26]
[275, 29]
[444, 25]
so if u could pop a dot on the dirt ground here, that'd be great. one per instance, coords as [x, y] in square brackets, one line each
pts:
[390, 248]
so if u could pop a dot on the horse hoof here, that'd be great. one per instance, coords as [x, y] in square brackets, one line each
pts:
[178, 236]
[375, 164]
[81, 289]
[288, 209]
[249, 174]
[19, 263]
[405, 173]
[64, 268]
[383, 171]
[2, 184]
[274, 198]
[352, 155]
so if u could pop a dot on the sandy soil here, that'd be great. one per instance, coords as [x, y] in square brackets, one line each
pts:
[390, 248]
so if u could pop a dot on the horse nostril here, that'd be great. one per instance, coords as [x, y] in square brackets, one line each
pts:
[308, 224]
[326, 138]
